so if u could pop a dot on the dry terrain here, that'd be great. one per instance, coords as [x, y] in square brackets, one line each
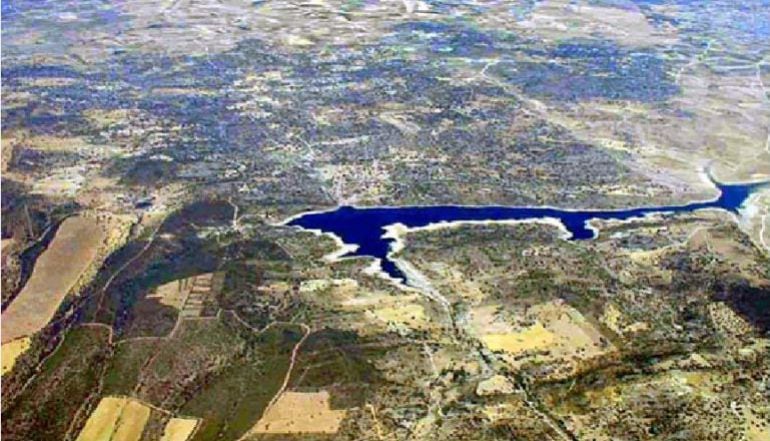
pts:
[179, 429]
[12, 350]
[300, 412]
[152, 152]
[56, 271]
[116, 419]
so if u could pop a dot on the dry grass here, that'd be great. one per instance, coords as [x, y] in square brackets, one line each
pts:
[346, 288]
[724, 245]
[574, 332]
[173, 293]
[179, 429]
[12, 350]
[378, 309]
[411, 316]
[299, 412]
[458, 283]
[559, 335]
[758, 429]
[727, 321]
[497, 384]
[6, 245]
[534, 338]
[54, 143]
[200, 291]
[56, 271]
[64, 182]
[116, 419]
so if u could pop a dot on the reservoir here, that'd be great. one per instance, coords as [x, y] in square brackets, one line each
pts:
[363, 228]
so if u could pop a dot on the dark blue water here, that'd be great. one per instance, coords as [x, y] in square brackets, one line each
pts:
[365, 226]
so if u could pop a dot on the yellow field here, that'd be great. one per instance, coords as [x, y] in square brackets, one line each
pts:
[179, 429]
[103, 118]
[410, 315]
[116, 419]
[298, 412]
[12, 350]
[536, 337]
[54, 143]
[56, 271]
[560, 335]
[757, 429]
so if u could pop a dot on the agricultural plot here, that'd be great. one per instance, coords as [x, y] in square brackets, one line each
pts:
[377, 309]
[190, 296]
[12, 350]
[116, 419]
[300, 412]
[560, 335]
[57, 270]
[163, 309]
[179, 429]
[203, 289]
[181, 247]
[173, 294]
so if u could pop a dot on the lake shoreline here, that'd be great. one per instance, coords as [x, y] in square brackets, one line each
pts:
[379, 232]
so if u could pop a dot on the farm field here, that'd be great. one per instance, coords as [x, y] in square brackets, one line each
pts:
[179, 429]
[12, 350]
[300, 412]
[116, 418]
[56, 271]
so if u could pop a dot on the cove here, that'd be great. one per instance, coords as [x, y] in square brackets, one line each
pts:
[364, 227]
